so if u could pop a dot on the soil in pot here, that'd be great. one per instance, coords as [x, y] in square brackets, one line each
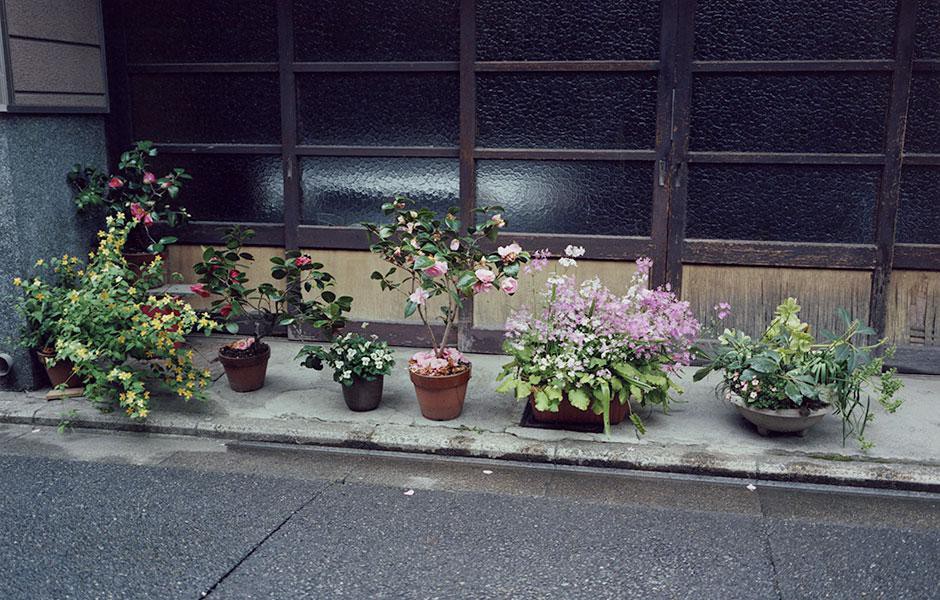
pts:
[363, 395]
[441, 398]
[789, 420]
[246, 368]
[61, 372]
[575, 416]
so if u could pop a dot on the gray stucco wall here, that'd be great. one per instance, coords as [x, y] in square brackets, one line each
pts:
[37, 216]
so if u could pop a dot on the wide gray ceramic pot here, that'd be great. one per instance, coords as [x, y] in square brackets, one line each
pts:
[788, 420]
[363, 395]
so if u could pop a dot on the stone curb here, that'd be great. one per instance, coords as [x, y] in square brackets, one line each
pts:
[438, 440]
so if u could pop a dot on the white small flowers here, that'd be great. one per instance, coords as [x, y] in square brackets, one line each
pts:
[567, 262]
[574, 251]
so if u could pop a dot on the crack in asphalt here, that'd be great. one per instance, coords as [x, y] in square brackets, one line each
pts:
[268, 536]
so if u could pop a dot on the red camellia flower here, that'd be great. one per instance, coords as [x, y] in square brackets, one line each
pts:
[234, 274]
[115, 183]
[225, 310]
[138, 212]
[149, 177]
[200, 290]
[302, 260]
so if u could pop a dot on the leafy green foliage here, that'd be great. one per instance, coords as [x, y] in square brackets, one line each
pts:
[787, 368]
[136, 192]
[431, 256]
[351, 356]
[223, 272]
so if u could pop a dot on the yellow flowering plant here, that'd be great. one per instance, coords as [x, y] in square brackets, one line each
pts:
[124, 341]
[42, 297]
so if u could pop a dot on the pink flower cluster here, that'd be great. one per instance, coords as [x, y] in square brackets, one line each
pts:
[428, 363]
[587, 320]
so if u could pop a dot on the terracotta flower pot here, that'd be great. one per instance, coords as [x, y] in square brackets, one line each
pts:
[441, 398]
[787, 420]
[363, 394]
[61, 372]
[246, 373]
[137, 261]
[569, 414]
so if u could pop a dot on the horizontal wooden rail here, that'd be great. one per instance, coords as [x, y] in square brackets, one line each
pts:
[778, 254]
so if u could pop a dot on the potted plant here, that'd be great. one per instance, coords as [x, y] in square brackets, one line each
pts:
[222, 272]
[431, 257]
[40, 304]
[360, 364]
[125, 342]
[138, 193]
[786, 380]
[586, 355]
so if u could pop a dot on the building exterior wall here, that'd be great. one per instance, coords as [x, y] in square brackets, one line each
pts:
[37, 216]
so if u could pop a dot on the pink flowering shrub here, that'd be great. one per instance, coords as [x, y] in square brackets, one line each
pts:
[586, 344]
[434, 256]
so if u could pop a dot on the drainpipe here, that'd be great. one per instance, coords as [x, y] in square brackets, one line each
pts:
[6, 364]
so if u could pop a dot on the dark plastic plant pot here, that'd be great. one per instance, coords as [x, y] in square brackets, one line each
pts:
[61, 372]
[569, 414]
[441, 398]
[787, 420]
[363, 395]
[246, 374]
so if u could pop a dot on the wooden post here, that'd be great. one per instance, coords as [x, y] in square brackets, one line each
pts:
[886, 210]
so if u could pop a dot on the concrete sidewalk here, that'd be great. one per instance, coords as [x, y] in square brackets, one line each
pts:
[701, 435]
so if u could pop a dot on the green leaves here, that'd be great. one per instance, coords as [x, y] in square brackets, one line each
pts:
[410, 308]
[579, 398]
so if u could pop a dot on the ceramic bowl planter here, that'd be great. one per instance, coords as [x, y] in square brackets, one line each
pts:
[569, 415]
[245, 369]
[363, 395]
[441, 397]
[787, 420]
[59, 373]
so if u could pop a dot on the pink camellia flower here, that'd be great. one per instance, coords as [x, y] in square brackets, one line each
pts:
[149, 177]
[225, 310]
[498, 220]
[485, 275]
[116, 183]
[509, 253]
[436, 270]
[419, 296]
[138, 213]
[509, 285]
[302, 260]
[233, 274]
[481, 287]
[454, 245]
[243, 344]
[453, 355]
[200, 290]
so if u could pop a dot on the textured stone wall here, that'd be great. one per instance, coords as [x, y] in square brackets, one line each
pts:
[37, 216]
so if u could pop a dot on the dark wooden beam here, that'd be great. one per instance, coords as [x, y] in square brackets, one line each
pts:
[564, 154]
[779, 254]
[397, 333]
[917, 257]
[886, 208]
[468, 135]
[204, 67]
[583, 66]
[922, 159]
[665, 116]
[390, 151]
[678, 154]
[375, 67]
[790, 66]
[288, 100]
[174, 148]
[211, 233]
[786, 158]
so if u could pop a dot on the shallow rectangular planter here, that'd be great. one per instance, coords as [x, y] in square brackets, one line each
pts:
[568, 414]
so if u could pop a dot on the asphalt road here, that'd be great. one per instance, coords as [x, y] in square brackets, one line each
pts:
[108, 515]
